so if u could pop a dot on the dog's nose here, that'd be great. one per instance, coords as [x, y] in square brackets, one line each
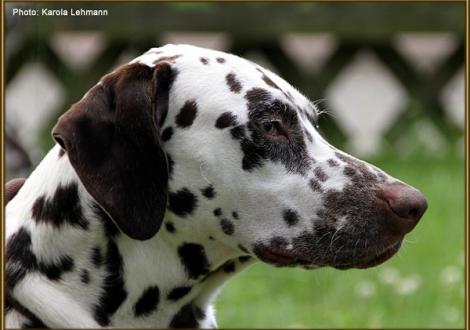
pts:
[407, 203]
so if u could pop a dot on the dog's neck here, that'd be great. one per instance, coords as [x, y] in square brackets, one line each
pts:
[72, 235]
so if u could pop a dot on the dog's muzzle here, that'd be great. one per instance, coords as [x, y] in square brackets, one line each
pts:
[362, 242]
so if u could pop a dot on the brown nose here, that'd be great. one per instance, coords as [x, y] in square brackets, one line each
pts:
[407, 203]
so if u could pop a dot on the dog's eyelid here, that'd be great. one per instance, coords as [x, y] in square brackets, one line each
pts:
[273, 128]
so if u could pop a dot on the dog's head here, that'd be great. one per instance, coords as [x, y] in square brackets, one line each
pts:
[207, 139]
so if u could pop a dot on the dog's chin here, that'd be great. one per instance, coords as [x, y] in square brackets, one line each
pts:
[289, 258]
[373, 260]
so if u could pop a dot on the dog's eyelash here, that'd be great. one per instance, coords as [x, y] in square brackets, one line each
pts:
[269, 124]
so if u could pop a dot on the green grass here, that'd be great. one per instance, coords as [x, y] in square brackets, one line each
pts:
[428, 291]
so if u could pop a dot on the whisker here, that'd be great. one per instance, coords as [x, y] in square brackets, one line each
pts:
[410, 241]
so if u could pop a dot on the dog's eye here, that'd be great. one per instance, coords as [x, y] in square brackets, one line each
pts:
[273, 128]
[268, 126]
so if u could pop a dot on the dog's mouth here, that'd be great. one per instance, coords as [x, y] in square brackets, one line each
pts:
[374, 260]
[371, 257]
[280, 257]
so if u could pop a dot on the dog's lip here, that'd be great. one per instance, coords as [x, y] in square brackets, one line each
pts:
[281, 257]
[284, 257]
[376, 260]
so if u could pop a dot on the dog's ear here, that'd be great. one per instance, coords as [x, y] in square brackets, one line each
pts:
[112, 139]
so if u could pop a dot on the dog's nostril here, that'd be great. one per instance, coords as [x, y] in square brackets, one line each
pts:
[408, 203]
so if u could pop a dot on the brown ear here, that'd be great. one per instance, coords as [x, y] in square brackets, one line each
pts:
[12, 187]
[112, 140]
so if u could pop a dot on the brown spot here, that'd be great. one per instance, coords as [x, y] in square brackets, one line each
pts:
[204, 60]
[272, 84]
[332, 162]
[320, 174]
[187, 114]
[208, 192]
[359, 166]
[167, 133]
[349, 171]
[227, 226]
[268, 81]
[233, 83]
[315, 185]
[220, 60]
[61, 152]
[238, 132]
[170, 227]
[346, 159]
[244, 249]
[225, 120]
[255, 96]
[290, 216]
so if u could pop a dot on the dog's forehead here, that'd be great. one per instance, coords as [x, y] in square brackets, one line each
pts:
[212, 75]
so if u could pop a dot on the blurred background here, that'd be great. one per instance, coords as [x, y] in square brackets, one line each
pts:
[390, 78]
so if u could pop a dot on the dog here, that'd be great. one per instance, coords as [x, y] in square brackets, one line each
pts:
[172, 174]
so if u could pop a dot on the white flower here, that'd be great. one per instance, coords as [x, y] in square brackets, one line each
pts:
[408, 285]
[451, 275]
[365, 289]
[389, 275]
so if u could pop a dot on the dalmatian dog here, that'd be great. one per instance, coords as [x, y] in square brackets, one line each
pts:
[172, 174]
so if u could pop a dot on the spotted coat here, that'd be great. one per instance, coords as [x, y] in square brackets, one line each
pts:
[172, 174]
